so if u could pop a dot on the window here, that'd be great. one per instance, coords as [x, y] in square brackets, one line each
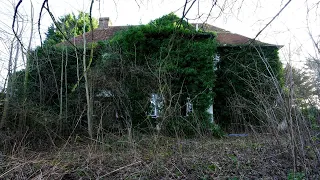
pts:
[104, 93]
[156, 103]
[189, 107]
[210, 111]
[216, 60]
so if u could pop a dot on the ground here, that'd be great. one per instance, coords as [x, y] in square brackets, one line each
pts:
[259, 156]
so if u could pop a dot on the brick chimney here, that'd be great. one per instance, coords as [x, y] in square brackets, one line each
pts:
[103, 22]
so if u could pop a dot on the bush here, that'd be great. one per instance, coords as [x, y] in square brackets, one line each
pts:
[216, 130]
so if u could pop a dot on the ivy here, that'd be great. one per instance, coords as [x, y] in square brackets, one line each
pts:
[169, 57]
[166, 56]
[245, 75]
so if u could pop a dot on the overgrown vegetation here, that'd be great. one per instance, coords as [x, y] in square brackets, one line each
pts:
[167, 57]
[66, 94]
[69, 26]
[159, 157]
[245, 75]
[53, 73]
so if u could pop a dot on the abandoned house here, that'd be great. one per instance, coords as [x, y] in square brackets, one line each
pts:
[233, 50]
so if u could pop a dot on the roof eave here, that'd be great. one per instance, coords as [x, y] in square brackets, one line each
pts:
[245, 44]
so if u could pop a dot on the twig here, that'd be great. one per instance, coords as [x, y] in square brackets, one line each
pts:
[271, 21]
[2, 175]
[120, 169]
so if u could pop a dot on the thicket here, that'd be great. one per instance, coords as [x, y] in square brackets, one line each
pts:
[167, 57]
[38, 97]
[52, 90]
[245, 76]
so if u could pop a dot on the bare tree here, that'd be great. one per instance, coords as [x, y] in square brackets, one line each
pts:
[12, 66]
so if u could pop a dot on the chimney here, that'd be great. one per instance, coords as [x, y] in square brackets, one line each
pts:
[103, 22]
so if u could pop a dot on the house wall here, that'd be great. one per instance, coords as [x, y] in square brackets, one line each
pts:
[245, 77]
[210, 111]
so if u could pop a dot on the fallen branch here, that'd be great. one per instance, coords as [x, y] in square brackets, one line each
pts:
[2, 175]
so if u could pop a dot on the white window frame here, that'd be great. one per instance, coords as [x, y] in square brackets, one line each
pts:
[156, 103]
[189, 107]
[216, 59]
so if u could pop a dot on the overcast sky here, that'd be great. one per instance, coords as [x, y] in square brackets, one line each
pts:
[246, 17]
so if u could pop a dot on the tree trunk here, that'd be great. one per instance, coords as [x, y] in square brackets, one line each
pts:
[85, 69]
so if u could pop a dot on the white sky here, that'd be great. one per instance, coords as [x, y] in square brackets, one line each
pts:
[246, 17]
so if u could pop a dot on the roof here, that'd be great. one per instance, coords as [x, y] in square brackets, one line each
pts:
[96, 35]
[227, 38]
[224, 37]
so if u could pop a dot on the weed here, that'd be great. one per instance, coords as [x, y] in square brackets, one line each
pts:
[217, 131]
[233, 158]
[205, 177]
[233, 178]
[296, 176]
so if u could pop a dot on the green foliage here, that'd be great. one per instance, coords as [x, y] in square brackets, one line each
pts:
[245, 72]
[217, 131]
[214, 167]
[160, 57]
[42, 91]
[296, 176]
[70, 26]
[311, 113]
[171, 22]
[233, 178]
[167, 57]
[302, 84]
[46, 65]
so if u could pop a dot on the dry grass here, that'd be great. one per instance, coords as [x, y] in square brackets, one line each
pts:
[158, 157]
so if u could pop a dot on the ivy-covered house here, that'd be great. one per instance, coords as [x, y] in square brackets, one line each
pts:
[200, 70]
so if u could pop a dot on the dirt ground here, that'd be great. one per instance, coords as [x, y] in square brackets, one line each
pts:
[159, 157]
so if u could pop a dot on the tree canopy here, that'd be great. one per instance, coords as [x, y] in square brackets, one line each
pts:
[69, 26]
[302, 83]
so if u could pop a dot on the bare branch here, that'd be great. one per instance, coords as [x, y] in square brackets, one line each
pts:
[271, 20]
[14, 21]
[39, 20]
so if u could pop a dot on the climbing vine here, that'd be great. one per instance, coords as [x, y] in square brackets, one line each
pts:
[170, 58]
[246, 76]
